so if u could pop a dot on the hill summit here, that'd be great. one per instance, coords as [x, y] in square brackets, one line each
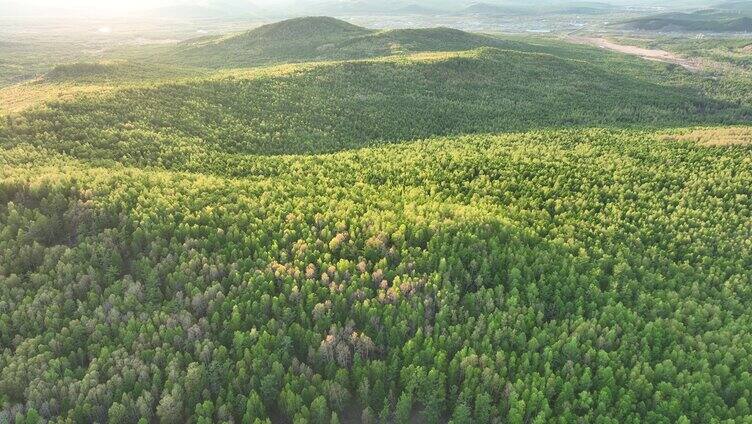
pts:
[323, 38]
[315, 27]
[292, 40]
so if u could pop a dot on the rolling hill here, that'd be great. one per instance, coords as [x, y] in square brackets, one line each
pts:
[112, 73]
[744, 7]
[317, 39]
[366, 102]
[538, 8]
[701, 21]
[294, 39]
[291, 42]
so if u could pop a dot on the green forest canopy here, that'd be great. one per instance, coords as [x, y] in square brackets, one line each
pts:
[365, 240]
[522, 277]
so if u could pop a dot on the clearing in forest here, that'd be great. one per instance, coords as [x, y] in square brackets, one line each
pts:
[649, 54]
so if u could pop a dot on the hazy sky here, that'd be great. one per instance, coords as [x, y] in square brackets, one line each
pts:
[52, 7]
[132, 4]
[112, 5]
[116, 7]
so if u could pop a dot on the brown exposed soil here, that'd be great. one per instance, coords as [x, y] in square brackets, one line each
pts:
[649, 54]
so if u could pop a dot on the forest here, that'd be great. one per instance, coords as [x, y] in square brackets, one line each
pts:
[517, 233]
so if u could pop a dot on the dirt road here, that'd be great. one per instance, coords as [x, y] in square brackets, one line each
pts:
[694, 65]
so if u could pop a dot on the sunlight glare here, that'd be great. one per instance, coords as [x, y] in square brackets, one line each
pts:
[106, 7]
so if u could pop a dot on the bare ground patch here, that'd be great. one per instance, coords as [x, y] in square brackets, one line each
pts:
[691, 64]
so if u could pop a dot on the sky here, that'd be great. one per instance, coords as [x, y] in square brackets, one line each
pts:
[92, 5]
[120, 7]
[53, 7]
[125, 7]
[113, 7]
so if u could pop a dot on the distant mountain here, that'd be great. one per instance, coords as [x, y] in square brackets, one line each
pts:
[363, 7]
[488, 9]
[417, 9]
[352, 7]
[321, 38]
[581, 8]
[700, 21]
[736, 6]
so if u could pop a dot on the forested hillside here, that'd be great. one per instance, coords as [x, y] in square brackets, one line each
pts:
[336, 106]
[499, 233]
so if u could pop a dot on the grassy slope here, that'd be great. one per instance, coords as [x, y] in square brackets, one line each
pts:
[67, 81]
